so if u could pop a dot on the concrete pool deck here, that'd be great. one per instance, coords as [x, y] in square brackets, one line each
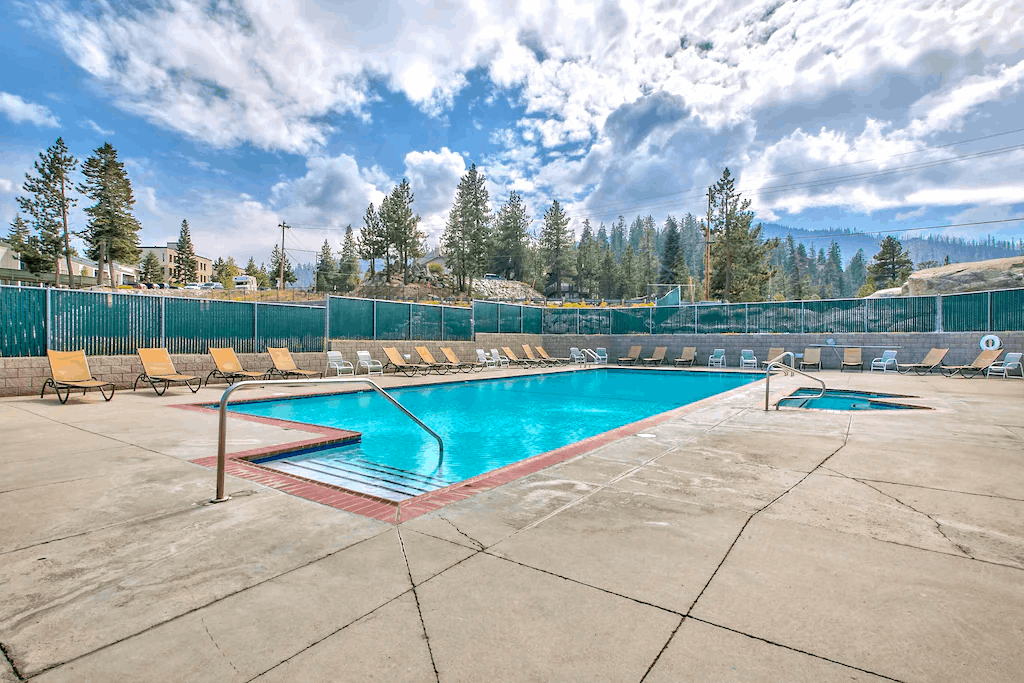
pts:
[734, 545]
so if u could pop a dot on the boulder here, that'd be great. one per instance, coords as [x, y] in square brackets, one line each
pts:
[975, 276]
[886, 293]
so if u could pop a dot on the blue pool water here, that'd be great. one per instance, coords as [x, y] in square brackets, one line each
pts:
[840, 399]
[491, 423]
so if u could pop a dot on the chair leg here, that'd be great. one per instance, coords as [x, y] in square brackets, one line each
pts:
[47, 383]
[104, 394]
[67, 394]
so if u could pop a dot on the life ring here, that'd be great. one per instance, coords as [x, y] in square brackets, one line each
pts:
[990, 342]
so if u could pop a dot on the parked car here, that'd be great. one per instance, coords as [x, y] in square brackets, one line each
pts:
[211, 285]
[192, 285]
[492, 276]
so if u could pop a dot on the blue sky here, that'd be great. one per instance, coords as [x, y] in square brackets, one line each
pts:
[236, 115]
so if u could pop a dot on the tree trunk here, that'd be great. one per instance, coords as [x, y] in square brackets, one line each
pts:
[67, 238]
[99, 263]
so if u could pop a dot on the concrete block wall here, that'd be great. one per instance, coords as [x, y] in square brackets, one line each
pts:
[465, 350]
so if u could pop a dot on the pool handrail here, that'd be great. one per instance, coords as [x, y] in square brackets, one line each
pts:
[222, 427]
[778, 364]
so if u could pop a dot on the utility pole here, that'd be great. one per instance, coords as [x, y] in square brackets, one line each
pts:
[707, 252]
[280, 276]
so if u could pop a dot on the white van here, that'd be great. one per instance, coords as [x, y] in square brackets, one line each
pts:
[246, 283]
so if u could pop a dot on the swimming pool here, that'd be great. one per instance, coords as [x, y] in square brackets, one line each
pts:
[843, 399]
[485, 424]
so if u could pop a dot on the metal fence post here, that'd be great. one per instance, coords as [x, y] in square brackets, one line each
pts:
[442, 323]
[801, 317]
[695, 329]
[410, 320]
[988, 327]
[375, 319]
[577, 321]
[938, 313]
[650, 320]
[327, 322]
[865, 316]
[746, 318]
[49, 319]
[521, 309]
[163, 322]
[255, 326]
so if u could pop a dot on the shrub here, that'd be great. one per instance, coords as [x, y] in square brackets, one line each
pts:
[435, 268]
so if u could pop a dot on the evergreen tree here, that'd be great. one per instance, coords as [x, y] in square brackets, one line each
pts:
[224, 271]
[602, 237]
[48, 204]
[636, 233]
[185, 261]
[609, 275]
[629, 279]
[465, 238]
[691, 243]
[348, 265]
[739, 257]
[276, 257]
[150, 269]
[891, 266]
[835, 283]
[648, 253]
[326, 269]
[670, 253]
[510, 243]
[588, 262]
[260, 273]
[618, 239]
[401, 226]
[556, 245]
[28, 247]
[112, 233]
[373, 241]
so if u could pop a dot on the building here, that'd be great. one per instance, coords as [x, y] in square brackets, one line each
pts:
[86, 269]
[168, 257]
[9, 258]
[83, 269]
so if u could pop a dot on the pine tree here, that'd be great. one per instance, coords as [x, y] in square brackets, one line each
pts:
[348, 264]
[326, 269]
[609, 275]
[691, 244]
[49, 202]
[465, 238]
[150, 269]
[260, 273]
[401, 227]
[224, 271]
[670, 253]
[891, 266]
[185, 261]
[648, 253]
[602, 237]
[276, 257]
[835, 283]
[373, 241]
[556, 246]
[629, 280]
[636, 232]
[28, 247]
[510, 243]
[112, 233]
[618, 239]
[739, 257]
[588, 262]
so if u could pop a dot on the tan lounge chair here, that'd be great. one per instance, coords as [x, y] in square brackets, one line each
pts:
[464, 366]
[978, 367]
[852, 359]
[688, 356]
[540, 361]
[774, 353]
[632, 357]
[545, 356]
[285, 366]
[70, 370]
[512, 358]
[657, 357]
[812, 356]
[157, 367]
[228, 368]
[428, 359]
[396, 361]
[931, 361]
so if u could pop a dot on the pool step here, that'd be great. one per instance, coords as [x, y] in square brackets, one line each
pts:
[363, 476]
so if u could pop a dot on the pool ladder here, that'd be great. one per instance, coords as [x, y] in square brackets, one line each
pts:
[777, 364]
[222, 427]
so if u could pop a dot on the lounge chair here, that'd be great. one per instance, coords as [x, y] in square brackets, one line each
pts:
[748, 359]
[483, 357]
[1005, 366]
[544, 354]
[931, 361]
[774, 353]
[631, 358]
[399, 364]
[688, 356]
[852, 358]
[157, 368]
[339, 364]
[717, 359]
[501, 360]
[461, 365]
[540, 361]
[284, 365]
[70, 370]
[576, 356]
[887, 361]
[364, 360]
[602, 355]
[428, 359]
[656, 358]
[228, 368]
[982, 363]
[812, 356]
[512, 358]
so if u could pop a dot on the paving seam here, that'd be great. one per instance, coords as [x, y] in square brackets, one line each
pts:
[10, 662]
[927, 488]
[419, 610]
[662, 650]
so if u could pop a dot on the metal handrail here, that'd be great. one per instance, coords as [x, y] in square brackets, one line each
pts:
[222, 433]
[777, 364]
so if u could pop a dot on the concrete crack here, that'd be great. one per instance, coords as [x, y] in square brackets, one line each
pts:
[472, 540]
[663, 648]
[222, 653]
[10, 662]
[419, 610]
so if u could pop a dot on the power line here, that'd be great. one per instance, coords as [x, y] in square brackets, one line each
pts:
[892, 230]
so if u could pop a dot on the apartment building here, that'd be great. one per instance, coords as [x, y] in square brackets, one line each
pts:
[168, 257]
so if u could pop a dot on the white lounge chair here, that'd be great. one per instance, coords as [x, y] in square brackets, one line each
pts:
[885, 363]
[748, 359]
[501, 360]
[717, 359]
[339, 364]
[482, 357]
[364, 360]
[576, 356]
[1003, 367]
[602, 355]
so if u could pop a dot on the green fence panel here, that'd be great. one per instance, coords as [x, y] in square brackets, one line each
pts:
[392, 320]
[631, 320]
[458, 324]
[299, 328]
[22, 321]
[425, 322]
[1008, 310]
[674, 320]
[965, 312]
[485, 317]
[901, 314]
[834, 316]
[560, 320]
[533, 320]
[595, 321]
[351, 318]
[721, 318]
[510, 318]
[103, 323]
[194, 325]
[774, 316]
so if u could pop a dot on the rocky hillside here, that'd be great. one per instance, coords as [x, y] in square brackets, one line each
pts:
[976, 276]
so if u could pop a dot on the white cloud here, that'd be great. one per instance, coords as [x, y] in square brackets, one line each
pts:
[20, 111]
[6, 186]
[93, 126]
[434, 177]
